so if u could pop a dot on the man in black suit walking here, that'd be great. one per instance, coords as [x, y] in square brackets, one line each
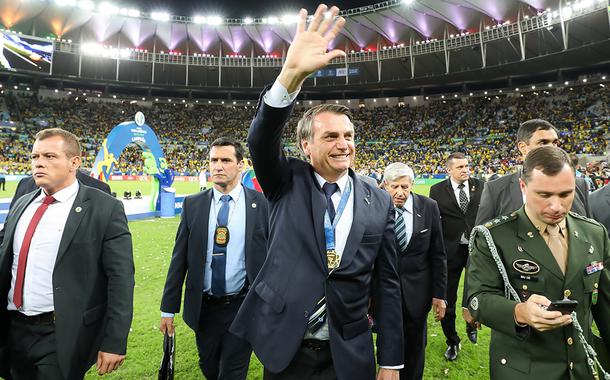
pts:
[503, 196]
[66, 271]
[220, 247]
[422, 264]
[458, 200]
[27, 185]
[331, 238]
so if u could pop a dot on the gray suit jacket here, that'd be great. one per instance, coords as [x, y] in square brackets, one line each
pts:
[503, 196]
[600, 206]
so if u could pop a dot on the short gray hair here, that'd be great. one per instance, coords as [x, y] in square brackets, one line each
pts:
[305, 125]
[397, 170]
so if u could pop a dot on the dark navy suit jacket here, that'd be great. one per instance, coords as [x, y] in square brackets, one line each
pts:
[274, 315]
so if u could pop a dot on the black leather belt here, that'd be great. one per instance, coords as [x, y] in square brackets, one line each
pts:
[225, 300]
[38, 319]
[315, 344]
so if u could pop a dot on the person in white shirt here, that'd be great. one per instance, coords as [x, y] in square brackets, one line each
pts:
[66, 272]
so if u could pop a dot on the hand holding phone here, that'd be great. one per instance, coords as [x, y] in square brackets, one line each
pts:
[565, 306]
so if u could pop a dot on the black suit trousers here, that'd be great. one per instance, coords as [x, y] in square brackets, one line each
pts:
[33, 351]
[222, 355]
[455, 267]
[415, 330]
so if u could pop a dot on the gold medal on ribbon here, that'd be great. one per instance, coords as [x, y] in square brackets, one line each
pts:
[332, 259]
[221, 236]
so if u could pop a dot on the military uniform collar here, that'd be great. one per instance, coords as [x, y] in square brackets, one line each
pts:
[541, 226]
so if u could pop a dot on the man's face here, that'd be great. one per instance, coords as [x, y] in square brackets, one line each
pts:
[539, 138]
[331, 148]
[459, 170]
[399, 190]
[224, 167]
[52, 169]
[550, 197]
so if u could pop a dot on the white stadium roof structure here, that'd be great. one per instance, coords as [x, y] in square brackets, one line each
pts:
[397, 47]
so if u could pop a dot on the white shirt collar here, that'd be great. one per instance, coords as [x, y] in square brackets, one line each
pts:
[62, 195]
[409, 204]
[455, 184]
[341, 182]
[235, 193]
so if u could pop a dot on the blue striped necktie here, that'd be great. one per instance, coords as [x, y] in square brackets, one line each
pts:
[400, 230]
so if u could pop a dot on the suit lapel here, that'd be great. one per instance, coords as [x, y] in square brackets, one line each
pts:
[516, 197]
[251, 218]
[578, 250]
[201, 222]
[78, 211]
[473, 190]
[318, 208]
[533, 244]
[418, 218]
[361, 210]
[452, 195]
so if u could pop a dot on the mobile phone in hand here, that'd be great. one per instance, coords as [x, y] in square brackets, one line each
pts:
[565, 306]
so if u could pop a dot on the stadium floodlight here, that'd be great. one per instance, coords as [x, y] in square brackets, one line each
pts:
[407, 2]
[470, 94]
[160, 16]
[87, 5]
[485, 93]
[215, 20]
[566, 83]
[135, 13]
[199, 19]
[272, 20]
[455, 96]
[550, 85]
[290, 19]
[248, 20]
[113, 96]
[56, 91]
[584, 80]
[604, 77]
[108, 8]
[65, 3]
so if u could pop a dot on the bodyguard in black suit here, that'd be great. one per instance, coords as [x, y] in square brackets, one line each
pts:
[219, 259]
[27, 185]
[422, 264]
[306, 315]
[503, 195]
[66, 272]
[458, 213]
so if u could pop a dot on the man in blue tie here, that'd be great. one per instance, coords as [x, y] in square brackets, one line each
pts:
[422, 263]
[220, 248]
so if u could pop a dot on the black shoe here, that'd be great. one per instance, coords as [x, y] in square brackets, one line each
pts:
[452, 352]
[471, 332]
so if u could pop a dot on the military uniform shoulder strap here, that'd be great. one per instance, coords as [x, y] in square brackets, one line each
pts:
[500, 220]
[584, 218]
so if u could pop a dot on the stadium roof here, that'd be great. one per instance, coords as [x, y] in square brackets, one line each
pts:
[390, 22]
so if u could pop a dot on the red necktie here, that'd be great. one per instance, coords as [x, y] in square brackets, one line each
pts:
[25, 247]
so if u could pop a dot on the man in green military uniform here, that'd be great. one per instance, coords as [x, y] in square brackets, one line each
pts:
[548, 254]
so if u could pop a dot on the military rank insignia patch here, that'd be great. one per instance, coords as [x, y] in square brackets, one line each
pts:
[526, 266]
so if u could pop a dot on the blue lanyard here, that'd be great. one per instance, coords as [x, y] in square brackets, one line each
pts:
[329, 229]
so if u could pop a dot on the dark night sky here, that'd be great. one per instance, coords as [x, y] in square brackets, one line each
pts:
[237, 8]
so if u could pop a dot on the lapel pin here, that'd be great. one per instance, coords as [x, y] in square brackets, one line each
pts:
[530, 234]
[419, 216]
[366, 199]
[519, 248]
[78, 209]
[591, 249]
[576, 233]
[472, 189]
[253, 205]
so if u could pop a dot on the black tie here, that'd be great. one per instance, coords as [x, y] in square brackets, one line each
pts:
[329, 190]
[463, 198]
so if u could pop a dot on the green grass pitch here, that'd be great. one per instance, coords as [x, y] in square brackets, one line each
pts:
[153, 242]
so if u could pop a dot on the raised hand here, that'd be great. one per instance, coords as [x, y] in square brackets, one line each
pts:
[308, 51]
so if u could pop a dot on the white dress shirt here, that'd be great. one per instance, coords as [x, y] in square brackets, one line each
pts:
[38, 280]
[407, 215]
[456, 191]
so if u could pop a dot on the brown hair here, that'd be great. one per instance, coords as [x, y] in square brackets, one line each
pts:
[72, 145]
[550, 160]
[305, 125]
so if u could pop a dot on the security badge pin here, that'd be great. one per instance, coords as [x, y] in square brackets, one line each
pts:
[253, 205]
[78, 209]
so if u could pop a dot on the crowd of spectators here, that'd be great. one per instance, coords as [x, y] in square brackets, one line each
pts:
[482, 127]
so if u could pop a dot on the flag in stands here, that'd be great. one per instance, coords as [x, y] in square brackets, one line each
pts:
[248, 177]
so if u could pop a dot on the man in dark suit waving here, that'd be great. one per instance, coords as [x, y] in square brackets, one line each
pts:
[422, 264]
[331, 237]
[220, 247]
[66, 271]
[458, 200]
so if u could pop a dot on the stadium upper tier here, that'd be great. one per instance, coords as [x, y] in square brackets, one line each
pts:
[418, 41]
[482, 127]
